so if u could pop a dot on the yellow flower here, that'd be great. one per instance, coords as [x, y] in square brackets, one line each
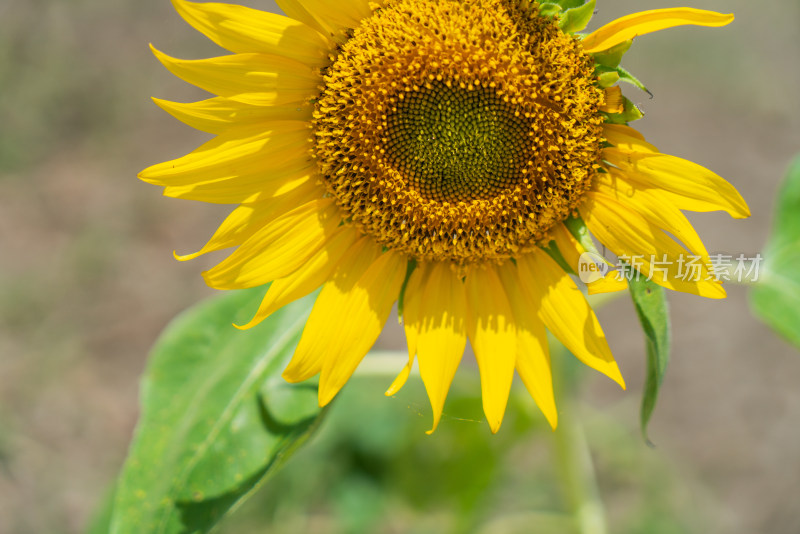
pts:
[427, 151]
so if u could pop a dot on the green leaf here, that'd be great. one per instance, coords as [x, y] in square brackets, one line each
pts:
[569, 4]
[614, 74]
[629, 113]
[775, 298]
[216, 419]
[575, 19]
[607, 78]
[650, 301]
[549, 10]
[613, 56]
[626, 76]
[580, 231]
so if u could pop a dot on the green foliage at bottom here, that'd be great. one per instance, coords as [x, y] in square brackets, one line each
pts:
[216, 419]
[372, 469]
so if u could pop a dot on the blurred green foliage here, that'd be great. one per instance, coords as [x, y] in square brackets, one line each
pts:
[372, 469]
[776, 296]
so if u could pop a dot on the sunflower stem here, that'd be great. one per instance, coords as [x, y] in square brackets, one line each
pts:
[574, 465]
[577, 477]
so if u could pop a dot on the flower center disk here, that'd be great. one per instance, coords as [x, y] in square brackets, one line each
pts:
[451, 144]
[458, 130]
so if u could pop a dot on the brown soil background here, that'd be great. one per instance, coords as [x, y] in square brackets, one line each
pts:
[87, 278]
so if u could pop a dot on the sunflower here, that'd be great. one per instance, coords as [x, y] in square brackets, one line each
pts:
[455, 157]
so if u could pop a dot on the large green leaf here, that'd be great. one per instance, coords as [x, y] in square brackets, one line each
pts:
[650, 301]
[775, 298]
[216, 419]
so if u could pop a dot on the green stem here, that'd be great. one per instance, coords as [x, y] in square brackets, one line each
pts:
[574, 462]
[577, 477]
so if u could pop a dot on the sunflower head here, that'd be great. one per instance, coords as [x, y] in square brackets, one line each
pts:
[458, 155]
[452, 135]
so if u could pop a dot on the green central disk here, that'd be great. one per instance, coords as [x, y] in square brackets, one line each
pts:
[455, 144]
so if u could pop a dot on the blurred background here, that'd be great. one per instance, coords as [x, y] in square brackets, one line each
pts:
[87, 281]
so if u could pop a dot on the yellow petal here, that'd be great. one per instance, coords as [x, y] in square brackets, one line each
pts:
[401, 378]
[701, 187]
[442, 335]
[567, 245]
[318, 269]
[654, 209]
[565, 312]
[349, 315]
[533, 355]
[626, 138]
[258, 79]
[330, 16]
[281, 149]
[278, 248]
[247, 219]
[490, 327]
[343, 13]
[412, 307]
[630, 235]
[311, 352]
[631, 26]
[571, 251]
[217, 115]
[252, 186]
[412, 300]
[614, 102]
[242, 29]
[295, 10]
